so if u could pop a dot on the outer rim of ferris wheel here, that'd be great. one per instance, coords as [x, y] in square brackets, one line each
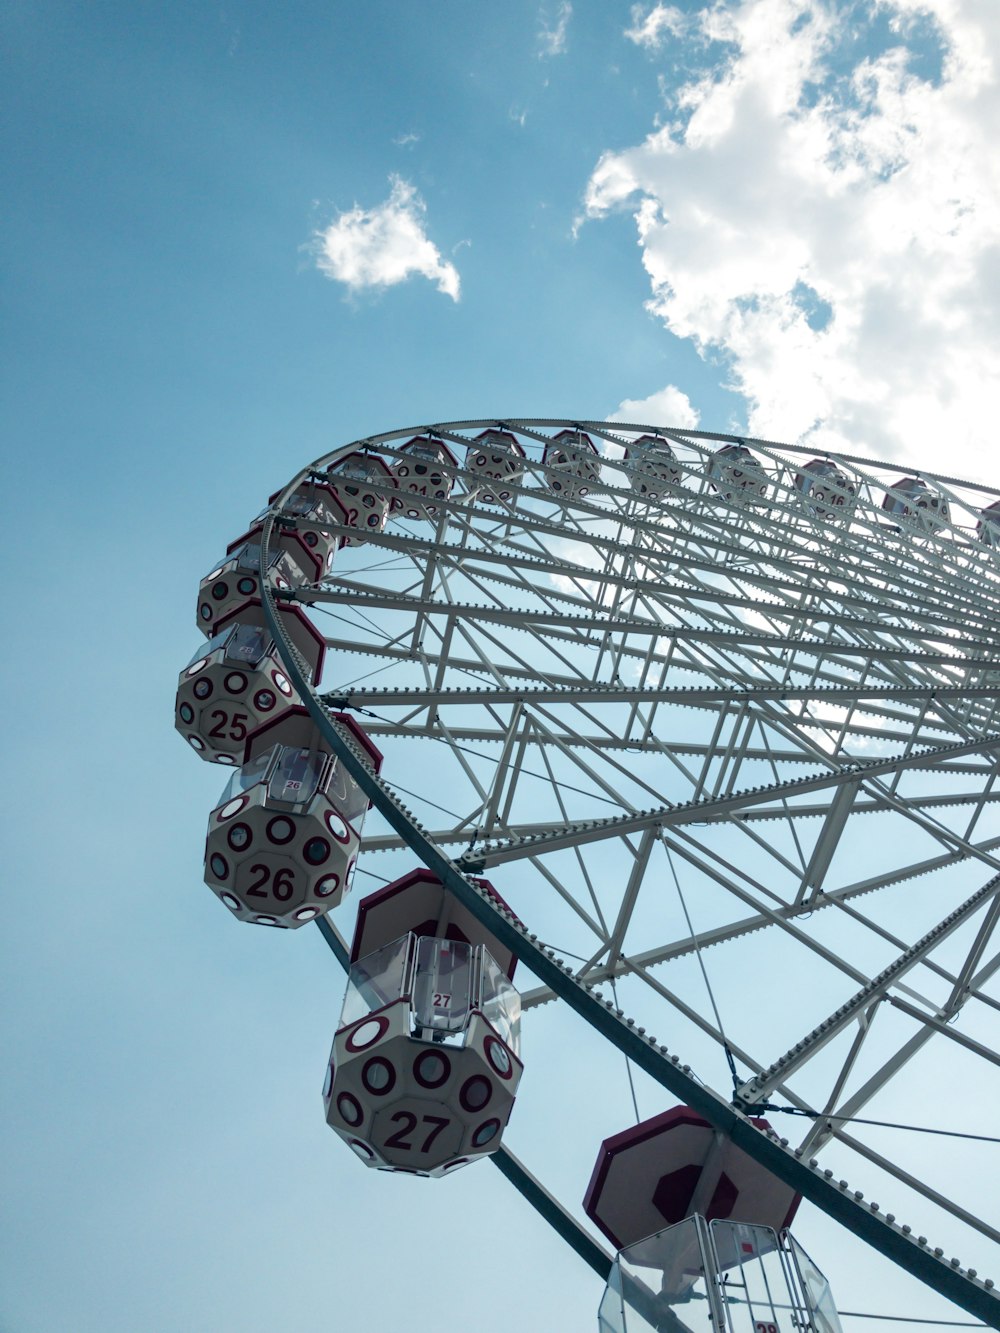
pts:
[797, 1167]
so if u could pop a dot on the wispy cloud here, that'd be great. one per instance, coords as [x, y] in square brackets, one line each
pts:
[650, 28]
[552, 31]
[379, 247]
[406, 140]
[819, 205]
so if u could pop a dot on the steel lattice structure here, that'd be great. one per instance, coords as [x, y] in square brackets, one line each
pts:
[689, 718]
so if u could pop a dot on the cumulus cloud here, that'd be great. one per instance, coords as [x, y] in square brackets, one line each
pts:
[666, 407]
[379, 247]
[552, 32]
[818, 204]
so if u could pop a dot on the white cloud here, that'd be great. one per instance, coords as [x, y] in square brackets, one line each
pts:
[666, 407]
[834, 236]
[552, 33]
[652, 28]
[381, 246]
[406, 140]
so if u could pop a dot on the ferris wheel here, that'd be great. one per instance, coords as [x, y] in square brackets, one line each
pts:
[703, 730]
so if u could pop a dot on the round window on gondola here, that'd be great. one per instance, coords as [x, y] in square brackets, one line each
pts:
[202, 688]
[486, 1132]
[498, 1056]
[310, 539]
[219, 866]
[264, 700]
[327, 885]
[431, 1069]
[281, 830]
[316, 851]
[236, 682]
[187, 713]
[239, 837]
[205, 611]
[378, 1076]
[247, 586]
[219, 590]
[350, 1109]
[475, 1093]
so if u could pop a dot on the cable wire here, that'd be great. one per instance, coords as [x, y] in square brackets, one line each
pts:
[881, 1124]
[704, 972]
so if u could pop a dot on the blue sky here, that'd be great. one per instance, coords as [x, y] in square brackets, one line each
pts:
[771, 215]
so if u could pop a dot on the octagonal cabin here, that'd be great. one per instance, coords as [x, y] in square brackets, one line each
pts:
[658, 1172]
[988, 529]
[300, 527]
[729, 1277]
[426, 1060]
[571, 464]
[425, 472]
[236, 682]
[737, 474]
[364, 485]
[827, 491]
[654, 470]
[284, 837]
[236, 579]
[496, 461]
[913, 501]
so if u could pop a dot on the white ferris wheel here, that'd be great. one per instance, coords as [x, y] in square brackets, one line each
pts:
[718, 722]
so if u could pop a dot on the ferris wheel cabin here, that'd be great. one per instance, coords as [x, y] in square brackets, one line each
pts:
[235, 682]
[828, 492]
[497, 462]
[654, 467]
[701, 1234]
[571, 464]
[725, 1277]
[284, 837]
[425, 1063]
[425, 473]
[912, 500]
[363, 483]
[236, 579]
[737, 474]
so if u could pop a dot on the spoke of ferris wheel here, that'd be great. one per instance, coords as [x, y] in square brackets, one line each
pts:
[832, 958]
[606, 741]
[610, 740]
[594, 830]
[768, 915]
[349, 595]
[596, 973]
[666, 609]
[911, 600]
[685, 695]
[761, 1085]
[532, 839]
[821, 1131]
